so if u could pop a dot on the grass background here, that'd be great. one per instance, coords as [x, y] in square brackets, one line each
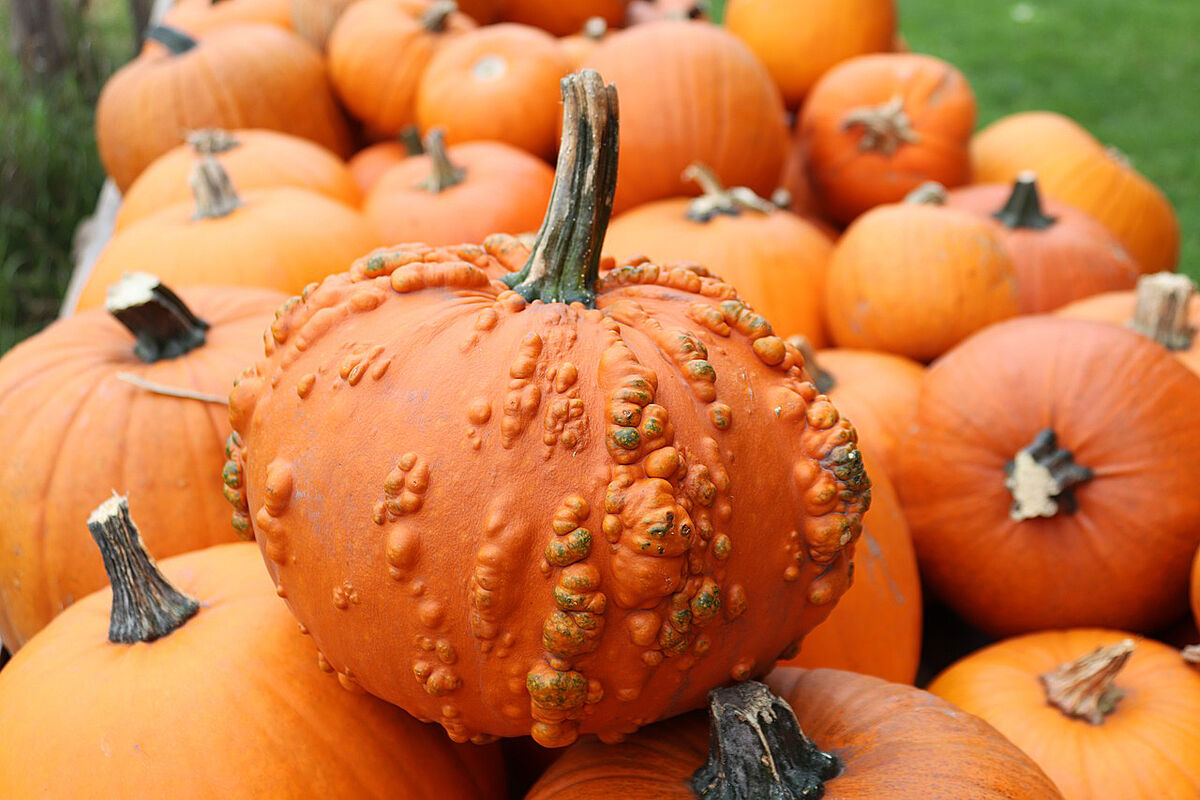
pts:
[1127, 72]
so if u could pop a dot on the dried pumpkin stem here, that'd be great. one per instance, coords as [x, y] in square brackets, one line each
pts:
[212, 141]
[161, 322]
[176, 41]
[145, 606]
[1042, 478]
[719, 200]
[410, 137]
[1023, 209]
[1161, 310]
[444, 173]
[1084, 689]
[595, 28]
[929, 193]
[565, 259]
[885, 128]
[824, 381]
[435, 18]
[212, 189]
[757, 750]
[1191, 654]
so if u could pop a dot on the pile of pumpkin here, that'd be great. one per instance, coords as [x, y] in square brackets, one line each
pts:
[541, 486]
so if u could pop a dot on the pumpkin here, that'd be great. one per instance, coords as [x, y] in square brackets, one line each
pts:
[776, 260]
[1163, 307]
[579, 45]
[1075, 168]
[916, 278]
[314, 19]
[189, 645]
[460, 194]
[368, 165]
[794, 181]
[828, 733]
[379, 51]
[876, 127]
[498, 83]
[1059, 254]
[254, 159]
[527, 424]
[199, 17]
[639, 12]
[559, 18]
[1046, 447]
[78, 429]
[800, 42]
[282, 238]
[239, 76]
[1196, 587]
[692, 92]
[1104, 713]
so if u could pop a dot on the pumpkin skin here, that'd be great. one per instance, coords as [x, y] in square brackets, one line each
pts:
[368, 165]
[917, 279]
[1071, 258]
[67, 413]
[710, 101]
[799, 42]
[254, 159]
[1144, 748]
[896, 742]
[199, 17]
[1075, 168]
[562, 19]
[314, 19]
[131, 729]
[855, 167]
[1113, 398]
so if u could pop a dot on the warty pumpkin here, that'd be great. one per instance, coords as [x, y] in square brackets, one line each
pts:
[1104, 713]
[282, 238]
[199, 17]
[253, 159]
[1072, 166]
[559, 18]
[1059, 253]
[138, 701]
[776, 260]
[544, 537]
[1049, 478]
[692, 92]
[459, 194]
[238, 76]
[77, 430]
[876, 127]
[827, 733]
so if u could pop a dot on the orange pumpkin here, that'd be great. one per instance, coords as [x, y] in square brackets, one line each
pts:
[579, 45]
[559, 18]
[379, 51]
[368, 165]
[1105, 714]
[876, 127]
[199, 17]
[192, 644]
[78, 430]
[459, 195]
[916, 278]
[1046, 447]
[776, 260]
[282, 238]
[1075, 168]
[800, 42]
[649, 406]
[498, 83]
[238, 76]
[691, 92]
[254, 159]
[1059, 254]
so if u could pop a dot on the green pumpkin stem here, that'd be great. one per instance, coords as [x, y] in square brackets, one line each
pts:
[145, 606]
[1083, 689]
[757, 750]
[444, 173]
[1161, 310]
[212, 141]
[824, 381]
[719, 200]
[410, 137]
[212, 189]
[1023, 209]
[176, 41]
[162, 324]
[435, 18]
[886, 128]
[565, 260]
[1042, 478]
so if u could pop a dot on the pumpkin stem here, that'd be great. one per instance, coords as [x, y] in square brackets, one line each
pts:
[212, 141]
[1161, 310]
[719, 200]
[565, 259]
[435, 18]
[595, 28]
[176, 41]
[171, 391]
[445, 173]
[410, 137]
[824, 381]
[212, 189]
[929, 193]
[145, 606]
[885, 127]
[756, 749]
[1042, 479]
[1023, 209]
[1191, 654]
[160, 321]
[1084, 689]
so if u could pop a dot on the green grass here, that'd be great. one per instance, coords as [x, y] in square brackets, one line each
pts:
[1128, 72]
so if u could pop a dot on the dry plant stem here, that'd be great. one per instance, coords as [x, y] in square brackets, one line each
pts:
[212, 189]
[410, 137]
[1161, 310]
[212, 141]
[719, 200]
[162, 324]
[177, 42]
[1023, 209]
[435, 18]
[171, 391]
[929, 193]
[1191, 654]
[443, 173]
[1042, 478]
[1084, 689]
[885, 128]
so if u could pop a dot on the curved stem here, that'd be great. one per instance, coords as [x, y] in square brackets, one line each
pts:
[1084, 688]
[885, 127]
[929, 193]
[212, 141]
[719, 200]
[161, 322]
[176, 41]
[757, 750]
[444, 173]
[565, 260]
[435, 18]
[1023, 209]
[824, 381]
[1161, 310]
[212, 189]
[145, 606]
[1042, 478]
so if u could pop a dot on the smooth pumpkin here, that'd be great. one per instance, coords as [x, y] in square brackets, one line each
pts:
[594, 498]
[368, 165]
[559, 18]
[78, 430]
[314, 19]
[1048, 478]
[199, 17]
[580, 44]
